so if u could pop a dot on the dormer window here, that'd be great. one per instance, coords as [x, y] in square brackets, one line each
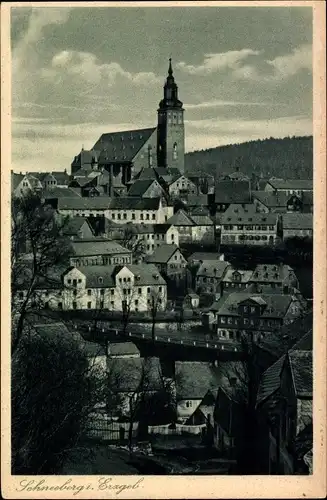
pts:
[100, 280]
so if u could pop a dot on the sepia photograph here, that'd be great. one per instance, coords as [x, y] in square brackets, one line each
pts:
[161, 233]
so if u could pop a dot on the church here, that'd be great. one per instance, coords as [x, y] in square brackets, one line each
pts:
[131, 154]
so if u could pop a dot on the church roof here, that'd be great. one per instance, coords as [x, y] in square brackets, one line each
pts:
[121, 146]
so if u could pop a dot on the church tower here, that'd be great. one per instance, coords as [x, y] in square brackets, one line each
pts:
[171, 136]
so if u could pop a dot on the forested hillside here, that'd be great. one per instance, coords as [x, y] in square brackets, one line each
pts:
[291, 157]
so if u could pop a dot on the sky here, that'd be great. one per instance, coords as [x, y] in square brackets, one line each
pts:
[243, 73]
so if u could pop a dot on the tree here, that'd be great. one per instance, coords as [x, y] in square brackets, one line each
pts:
[131, 241]
[244, 381]
[54, 389]
[39, 254]
[155, 305]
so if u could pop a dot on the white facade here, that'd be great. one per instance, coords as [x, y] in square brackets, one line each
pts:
[181, 186]
[249, 235]
[153, 240]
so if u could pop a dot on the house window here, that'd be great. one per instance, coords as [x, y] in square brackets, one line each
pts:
[188, 404]
[75, 293]
[133, 216]
[141, 216]
[89, 292]
[140, 291]
[112, 291]
[59, 305]
[160, 288]
[125, 216]
[149, 290]
[252, 309]
[222, 320]
[113, 216]
[102, 291]
[136, 302]
[175, 151]
[153, 216]
[119, 216]
[89, 305]
[74, 305]
[147, 216]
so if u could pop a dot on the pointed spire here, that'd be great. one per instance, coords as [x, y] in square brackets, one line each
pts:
[170, 69]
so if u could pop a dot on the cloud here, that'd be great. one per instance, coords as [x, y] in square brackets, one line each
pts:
[221, 103]
[290, 64]
[215, 62]
[280, 68]
[87, 67]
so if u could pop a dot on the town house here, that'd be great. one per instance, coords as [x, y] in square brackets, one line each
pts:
[249, 229]
[169, 260]
[235, 279]
[210, 275]
[181, 187]
[139, 210]
[276, 276]
[255, 315]
[146, 188]
[155, 235]
[78, 228]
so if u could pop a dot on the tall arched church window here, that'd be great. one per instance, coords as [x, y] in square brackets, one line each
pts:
[175, 151]
[150, 155]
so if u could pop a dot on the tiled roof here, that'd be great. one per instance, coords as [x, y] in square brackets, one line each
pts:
[195, 378]
[97, 247]
[197, 210]
[277, 304]
[74, 225]
[61, 177]
[297, 221]
[271, 273]
[140, 187]
[301, 367]
[35, 183]
[249, 219]
[197, 200]
[59, 192]
[270, 380]
[197, 256]
[307, 198]
[213, 268]
[94, 274]
[16, 179]
[122, 349]
[129, 372]
[271, 199]
[232, 192]
[181, 219]
[291, 184]
[245, 276]
[85, 157]
[148, 274]
[93, 203]
[202, 220]
[163, 253]
[134, 203]
[121, 146]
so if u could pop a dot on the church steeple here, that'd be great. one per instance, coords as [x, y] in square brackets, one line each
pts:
[170, 99]
[170, 130]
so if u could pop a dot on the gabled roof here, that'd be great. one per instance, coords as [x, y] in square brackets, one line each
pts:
[96, 276]
[61, 177]
[270, 380]
[232, 192]
[133, 374]
[134, 203]
[195, 378]
[197, 256]
[80, 203]
[181, 219]
[121, 146]
[16, 179]
[276, 304]
[202, 220]
[291, 184]
[249, 219]
[213, 268]
[245, 276]
[271, 199]
[298, 221]
[141, 186]
[163, 253]
[146, 274]
[272, 273]
[302, 372]
[197, 200]
[75, 224]
[86, 248]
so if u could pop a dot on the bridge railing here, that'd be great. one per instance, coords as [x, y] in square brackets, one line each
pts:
[214, 344]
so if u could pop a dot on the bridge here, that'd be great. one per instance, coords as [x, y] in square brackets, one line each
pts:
[215, 348]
